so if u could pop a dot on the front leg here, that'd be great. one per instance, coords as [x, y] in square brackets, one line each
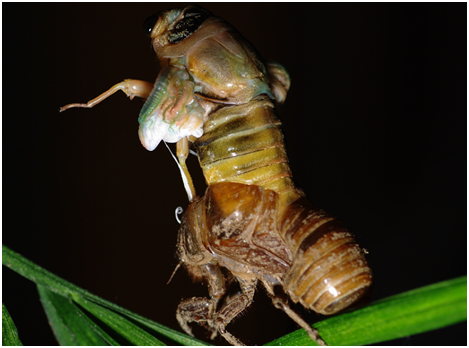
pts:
[132, 88]
[200, 309]
[203, 311]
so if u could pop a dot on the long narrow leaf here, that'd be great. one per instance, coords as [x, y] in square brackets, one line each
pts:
[61, 287]
[128, 333]
[70, 327]
[424, 309]
[9, 332]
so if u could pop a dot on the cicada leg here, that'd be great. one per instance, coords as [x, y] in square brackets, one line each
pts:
[233, 308]
[196, 309]
[182, 152]
[281, 302]
[132, 88]
[200, 309]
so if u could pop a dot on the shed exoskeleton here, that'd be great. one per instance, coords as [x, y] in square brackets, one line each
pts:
[215, 92]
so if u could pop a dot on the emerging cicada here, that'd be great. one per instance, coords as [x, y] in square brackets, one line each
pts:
[216, 93]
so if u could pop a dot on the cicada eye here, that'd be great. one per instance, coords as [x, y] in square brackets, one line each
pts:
[189, 24]
[149, 24]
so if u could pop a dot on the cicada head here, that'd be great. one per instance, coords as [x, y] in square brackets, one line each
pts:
[169, 28]
[205, 62]
[224, 66]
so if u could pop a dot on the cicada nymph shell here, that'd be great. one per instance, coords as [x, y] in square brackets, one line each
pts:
[301, 249]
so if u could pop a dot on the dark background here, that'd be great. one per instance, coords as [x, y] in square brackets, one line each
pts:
[375, 127]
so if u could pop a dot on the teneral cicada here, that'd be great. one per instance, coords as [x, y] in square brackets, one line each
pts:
[217, 96]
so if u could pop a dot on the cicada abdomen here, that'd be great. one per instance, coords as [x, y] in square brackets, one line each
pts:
[244, 144]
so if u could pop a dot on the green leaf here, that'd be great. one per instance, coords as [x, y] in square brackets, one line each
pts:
[416, 311]
[9, 332]
[70, 325]
[125, 331]
[113, 324]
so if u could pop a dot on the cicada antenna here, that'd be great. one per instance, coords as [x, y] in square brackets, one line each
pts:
[174, 272]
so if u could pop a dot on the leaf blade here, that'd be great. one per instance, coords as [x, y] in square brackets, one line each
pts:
[9, 331]
[61, 287]
[69, 326]
[409, 313]
[126, 330]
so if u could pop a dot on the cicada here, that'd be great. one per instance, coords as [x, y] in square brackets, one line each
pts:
[215, 96]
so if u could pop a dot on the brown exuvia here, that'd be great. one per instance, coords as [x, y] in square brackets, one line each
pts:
[215, 94]
[299, 250]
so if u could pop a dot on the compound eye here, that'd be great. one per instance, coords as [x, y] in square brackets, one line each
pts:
[149, 24]
[188, 25]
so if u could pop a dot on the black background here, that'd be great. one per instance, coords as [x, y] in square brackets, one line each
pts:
[375, 127]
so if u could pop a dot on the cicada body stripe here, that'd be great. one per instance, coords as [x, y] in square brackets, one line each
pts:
[244, 144]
